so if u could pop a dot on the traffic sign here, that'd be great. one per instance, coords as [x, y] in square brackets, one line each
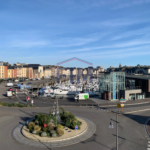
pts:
[27, 98]
[122, 100]
[122, 105]
[76, 127]
[118, 105]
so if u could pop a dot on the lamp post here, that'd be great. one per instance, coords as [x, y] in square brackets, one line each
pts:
[111, 126]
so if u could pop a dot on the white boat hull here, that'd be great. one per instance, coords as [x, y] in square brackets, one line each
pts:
[65, 92]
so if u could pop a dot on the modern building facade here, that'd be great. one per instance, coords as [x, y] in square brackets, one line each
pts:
[110, 84]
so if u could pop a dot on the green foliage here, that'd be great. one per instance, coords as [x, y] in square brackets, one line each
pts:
[60, 126]
[37, 128]
[60, 131]
[52, 131]
[31, 126]
[42, 119]
[51, 126]
[43, 134]
[44, 129]
[54, 120]
[54, 135]
[66, 113]
[62, 109]
[68, 123]
[37, 122]
[16, 104]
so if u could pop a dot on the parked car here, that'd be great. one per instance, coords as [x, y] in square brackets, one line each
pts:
[10, 89]
[10, 84]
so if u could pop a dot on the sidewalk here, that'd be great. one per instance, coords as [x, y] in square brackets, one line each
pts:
[147, 125]
[103, 102]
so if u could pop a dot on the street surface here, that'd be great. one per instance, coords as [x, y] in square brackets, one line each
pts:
[131, 129]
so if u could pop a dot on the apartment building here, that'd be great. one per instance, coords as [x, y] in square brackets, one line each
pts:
[84, 71]
[67, 71]
[30, 72]
[47, 72]
[41, 71]
[19, 72]
[74, 72]
[12, 72]
[3, 71]
[24, 72]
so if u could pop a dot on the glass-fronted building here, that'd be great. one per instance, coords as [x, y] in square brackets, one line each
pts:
[110, 83]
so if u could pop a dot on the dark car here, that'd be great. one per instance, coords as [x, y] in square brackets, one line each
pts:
[29, 83]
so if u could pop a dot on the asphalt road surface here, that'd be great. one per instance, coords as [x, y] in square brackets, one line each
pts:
[131, 129]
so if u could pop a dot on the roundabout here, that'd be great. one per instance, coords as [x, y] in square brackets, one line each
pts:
[21, 135]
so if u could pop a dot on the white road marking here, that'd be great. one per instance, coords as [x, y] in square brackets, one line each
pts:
[136, 111]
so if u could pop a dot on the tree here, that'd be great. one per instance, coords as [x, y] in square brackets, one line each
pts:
[138, 65]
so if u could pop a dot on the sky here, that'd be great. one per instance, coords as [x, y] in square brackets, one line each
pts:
[102, 32]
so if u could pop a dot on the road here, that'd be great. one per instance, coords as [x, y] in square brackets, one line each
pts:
[131, 131]
[128, 108]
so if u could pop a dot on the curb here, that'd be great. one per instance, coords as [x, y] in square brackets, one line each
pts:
[17, 135]
[59, 140]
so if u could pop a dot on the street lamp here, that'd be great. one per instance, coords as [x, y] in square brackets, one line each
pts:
[111, 126]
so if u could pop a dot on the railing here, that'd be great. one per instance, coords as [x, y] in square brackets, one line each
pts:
[133, 88]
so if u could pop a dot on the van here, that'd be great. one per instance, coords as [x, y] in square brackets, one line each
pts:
[81, 96]
[9, 84]
[9, 93]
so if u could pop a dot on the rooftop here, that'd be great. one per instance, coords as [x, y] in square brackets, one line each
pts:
[144, 77]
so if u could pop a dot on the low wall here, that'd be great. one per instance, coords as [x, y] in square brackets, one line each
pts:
[128, 92]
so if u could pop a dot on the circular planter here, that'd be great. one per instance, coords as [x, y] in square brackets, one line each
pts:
[19, 135]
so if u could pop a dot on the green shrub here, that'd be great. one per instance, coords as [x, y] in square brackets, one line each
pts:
[60, 131]
[54, 120]
[52, 131]
[51, 126]
[66, 113]
[73, 124]
[16, 103]
[31, 129]
[60, 126]
[10, 105]
[63, 111]
[37, 128]
[42, 118]
[54, 135]
[44, 129]
[31, 124]
[68, 123]
[37, 122]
